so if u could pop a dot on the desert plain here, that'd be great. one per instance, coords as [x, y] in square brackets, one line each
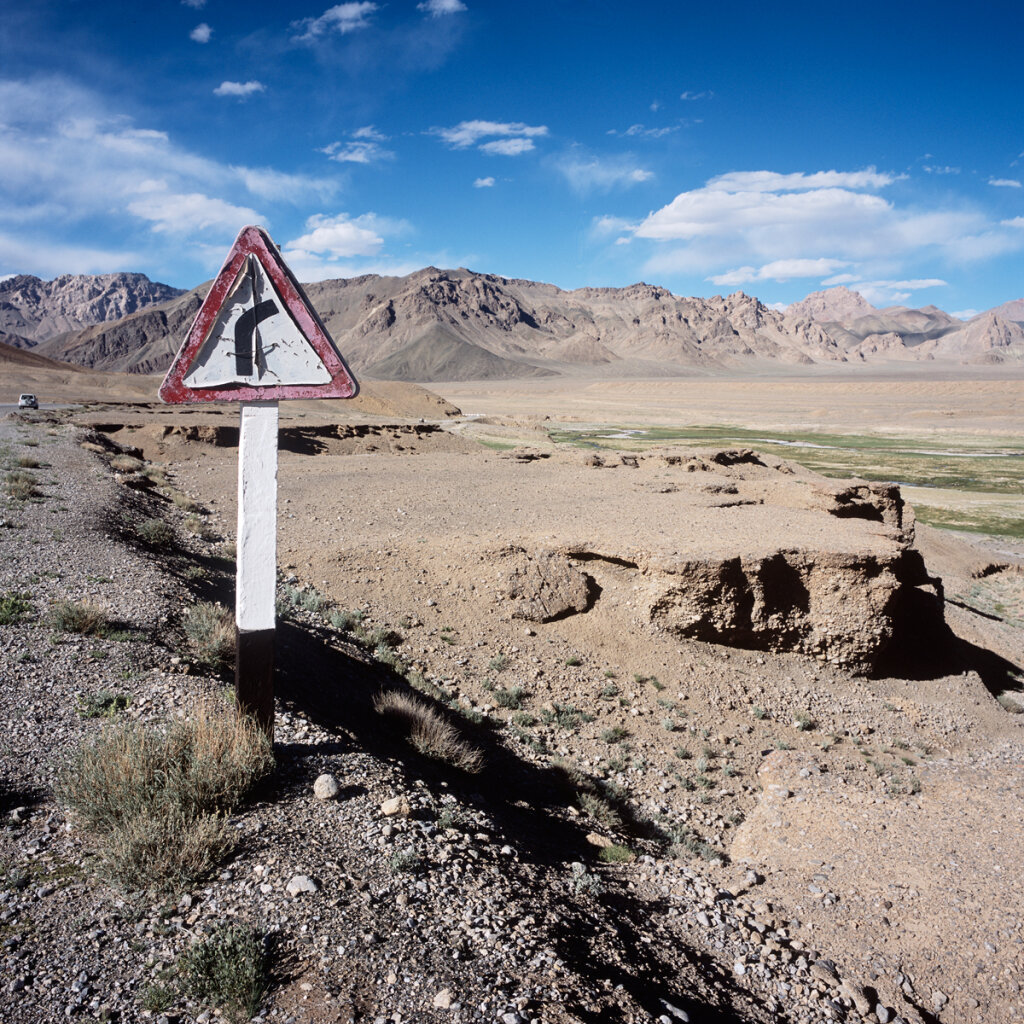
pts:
[821, 692]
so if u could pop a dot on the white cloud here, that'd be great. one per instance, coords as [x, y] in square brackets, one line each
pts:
[507, 147]
[470, 133]
[1013, 222]
[46, 259]
[341, 18]
[184, 213]
[1004, 182]
[344, 246]
[357, 151]
[638, 130]
[600, 174]
[240, 89]
[194, 4]
[940, 170]
[760, 225]
[770, 181]
[965, 314]
[201, 33]
[68, 159]
[369, 131]
[607, 225]
[778, 270]
[704, 94]
[342, 236]
[484, 183]
[439, 8]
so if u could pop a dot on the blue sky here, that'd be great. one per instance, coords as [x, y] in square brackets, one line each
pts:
[775, 149]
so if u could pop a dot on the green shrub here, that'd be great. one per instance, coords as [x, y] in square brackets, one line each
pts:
[344, 620]
[155, 532]
[510, 698]
[614, 734]
[227, 971]
[104, 704]
[498, 663]
[573, 661]
[22, 485]
[154, 801]
[14, 607]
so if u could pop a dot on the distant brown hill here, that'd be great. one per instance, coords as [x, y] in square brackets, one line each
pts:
[436, 325]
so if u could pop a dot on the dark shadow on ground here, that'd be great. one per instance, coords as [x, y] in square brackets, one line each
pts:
[334, 685]
[924, 647]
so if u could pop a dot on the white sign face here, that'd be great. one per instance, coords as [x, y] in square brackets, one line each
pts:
[254, 339]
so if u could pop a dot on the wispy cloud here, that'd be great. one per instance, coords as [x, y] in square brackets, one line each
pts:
[778, 270]
[363, 148]
[35, 255]
[201, 33]
[194, 4]
[67, 158]
[640, 131]
[240, 89]
[586, 173]
[704, 94]
[484, 183]
[439, 8]
[1004, 182]
[933, 169]
[179, 213]
[762, 225]
[341, 18]
[510, 138]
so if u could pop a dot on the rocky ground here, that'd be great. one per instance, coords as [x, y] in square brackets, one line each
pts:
[803, 843]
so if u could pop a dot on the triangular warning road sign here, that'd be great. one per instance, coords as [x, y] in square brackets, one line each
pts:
[256, 337]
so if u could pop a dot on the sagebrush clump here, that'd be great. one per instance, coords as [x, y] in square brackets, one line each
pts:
[155, 801]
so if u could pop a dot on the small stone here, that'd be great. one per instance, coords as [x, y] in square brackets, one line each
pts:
[939, 999]
[300, 883]
[396, 805]
[856, 995]
[443, 999]
[326, 787]
[883, 1013]
[602, 842]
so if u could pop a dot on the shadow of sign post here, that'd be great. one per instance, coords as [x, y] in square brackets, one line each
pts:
[256, 340]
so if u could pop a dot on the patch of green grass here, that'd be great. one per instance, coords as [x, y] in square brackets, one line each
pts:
[498, 663]
[614, 734]
[346, 620]
[565, 716]
[616, 854]
[15, 607]
[683, 753]
[573, 661]
[524, 719]
[105, 704]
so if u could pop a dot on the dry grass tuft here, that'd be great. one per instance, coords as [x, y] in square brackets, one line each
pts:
[433, 736]
[84, 618]
[155, 801]
[210, 629]
[126, 464]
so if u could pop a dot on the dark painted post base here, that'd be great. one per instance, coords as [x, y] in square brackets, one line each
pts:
[254, 676]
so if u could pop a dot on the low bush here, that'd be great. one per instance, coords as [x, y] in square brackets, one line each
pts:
[84, 618]
[155, 801]
[227, 971]
[210, 629]
[512, 697]
[14, 607]
[22, 485]
[155, 532]
[428, 732]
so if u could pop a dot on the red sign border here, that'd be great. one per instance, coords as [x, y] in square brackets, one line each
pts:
[254, 241]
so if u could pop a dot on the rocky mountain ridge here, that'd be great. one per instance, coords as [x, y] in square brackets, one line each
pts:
[435, 325]
[35, 310]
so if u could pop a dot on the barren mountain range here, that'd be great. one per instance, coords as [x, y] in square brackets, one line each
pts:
[436, 325]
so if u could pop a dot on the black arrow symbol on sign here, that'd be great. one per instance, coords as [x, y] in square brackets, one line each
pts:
[245, 335]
